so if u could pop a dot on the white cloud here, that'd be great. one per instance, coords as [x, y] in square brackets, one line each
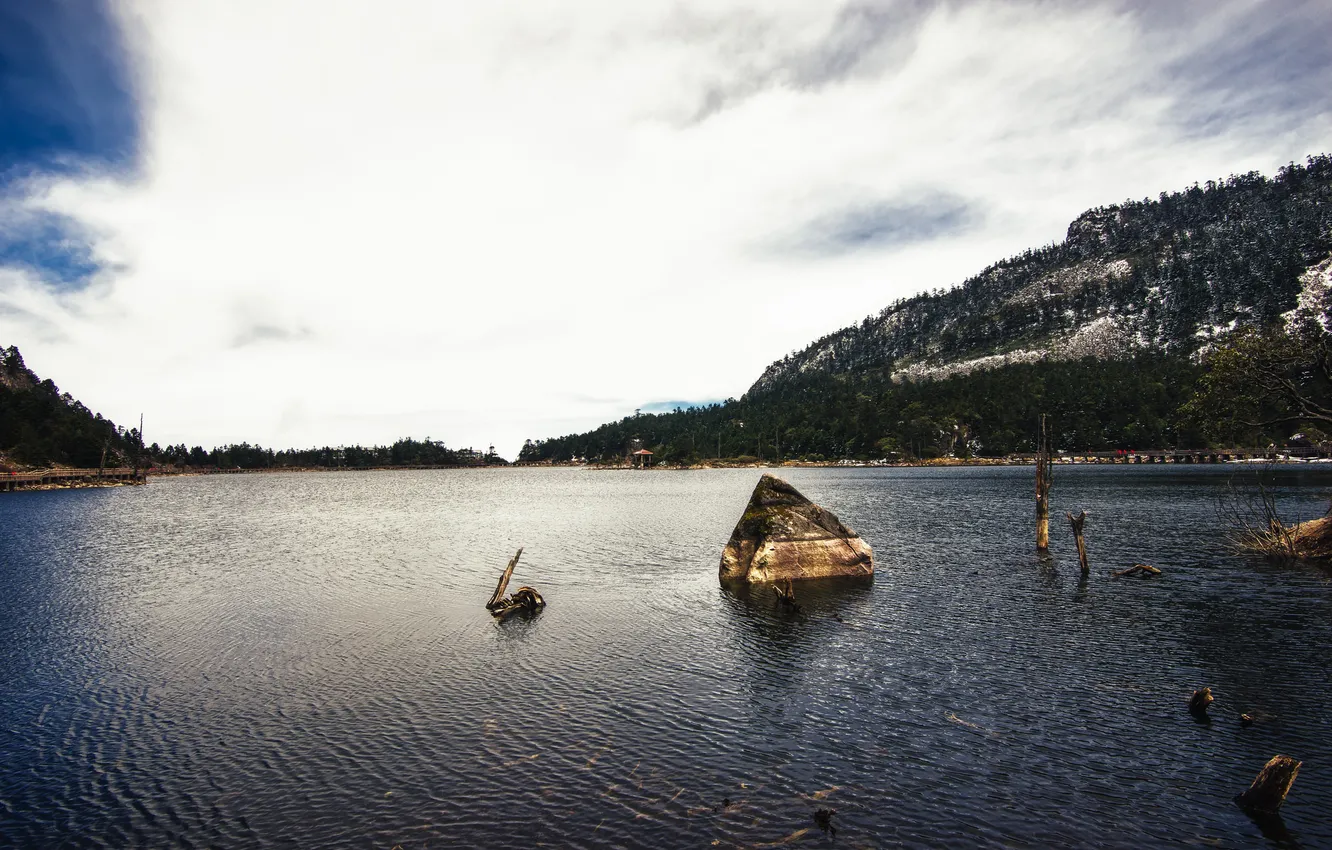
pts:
[485, 222]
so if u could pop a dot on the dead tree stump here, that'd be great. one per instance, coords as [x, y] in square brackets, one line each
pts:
[1270, 786]
[1043, 480]
[1199, 701]
[1077, 522]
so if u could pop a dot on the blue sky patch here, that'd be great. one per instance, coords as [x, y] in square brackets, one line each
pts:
[65, 87]
[54, 247]
[67, 105]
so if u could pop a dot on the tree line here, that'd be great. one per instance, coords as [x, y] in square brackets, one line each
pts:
[42, 426]
[1261, 386]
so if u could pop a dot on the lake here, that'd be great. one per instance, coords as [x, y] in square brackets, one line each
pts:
[305, 660]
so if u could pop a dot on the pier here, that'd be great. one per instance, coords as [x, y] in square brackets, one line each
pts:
[1182, 455]
[11, 481]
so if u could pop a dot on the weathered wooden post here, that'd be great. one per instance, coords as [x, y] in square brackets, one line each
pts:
[1076, 522]
[1270, 786]
[1043, 481]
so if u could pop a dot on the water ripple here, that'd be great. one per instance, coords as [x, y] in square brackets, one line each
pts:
[303, 659]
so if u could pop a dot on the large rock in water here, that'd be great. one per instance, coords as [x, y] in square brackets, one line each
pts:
[783, 535]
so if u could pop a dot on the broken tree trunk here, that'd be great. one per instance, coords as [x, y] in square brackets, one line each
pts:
[1270, 787]
[1076, 522]
[1043, 481]
[503, 585]
[1199, 701]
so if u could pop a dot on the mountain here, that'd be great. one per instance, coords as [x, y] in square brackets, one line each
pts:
[1165, 276]
[1105, 332]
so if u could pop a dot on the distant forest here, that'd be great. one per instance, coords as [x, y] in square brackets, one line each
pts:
[1265, 388]
[1094, 404]
[41, 426]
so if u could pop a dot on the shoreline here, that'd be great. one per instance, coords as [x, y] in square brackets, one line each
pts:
[1161, 457]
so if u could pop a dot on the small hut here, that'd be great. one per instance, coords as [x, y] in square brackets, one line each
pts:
[642, 458]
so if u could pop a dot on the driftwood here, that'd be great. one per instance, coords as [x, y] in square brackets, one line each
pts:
[1076, 522]
[525, 599]
[1044, 477]
[1270, 786]
[1199, 701]
[1141, 570]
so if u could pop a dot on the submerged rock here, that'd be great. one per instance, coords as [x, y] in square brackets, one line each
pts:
[782, 535]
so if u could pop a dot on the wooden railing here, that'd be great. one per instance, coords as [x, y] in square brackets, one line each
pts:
[17, 480]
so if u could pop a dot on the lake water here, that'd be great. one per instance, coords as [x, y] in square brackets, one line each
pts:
[306, 660]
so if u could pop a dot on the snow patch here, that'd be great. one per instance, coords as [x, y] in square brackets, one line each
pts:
[1315, 298]
[1070, 280]
[1104, 337]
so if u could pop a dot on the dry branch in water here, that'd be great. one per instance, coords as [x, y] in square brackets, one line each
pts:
[524, 599]
[1142, 570]
[1256, 528]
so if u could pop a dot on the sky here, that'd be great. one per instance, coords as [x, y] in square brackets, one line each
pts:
[336, 222]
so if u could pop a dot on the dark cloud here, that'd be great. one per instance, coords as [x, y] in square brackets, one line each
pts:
[886, 224]
[863, 38]
[1266, 69]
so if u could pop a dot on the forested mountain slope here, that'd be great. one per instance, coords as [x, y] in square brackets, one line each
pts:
[39, 425]
[1162, 276]
[1103, 331]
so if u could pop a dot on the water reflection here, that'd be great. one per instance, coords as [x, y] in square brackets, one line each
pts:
[1274, 829]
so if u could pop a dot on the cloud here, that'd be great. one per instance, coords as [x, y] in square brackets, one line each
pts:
[887, 224]
[260, 333]
[487, 222]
